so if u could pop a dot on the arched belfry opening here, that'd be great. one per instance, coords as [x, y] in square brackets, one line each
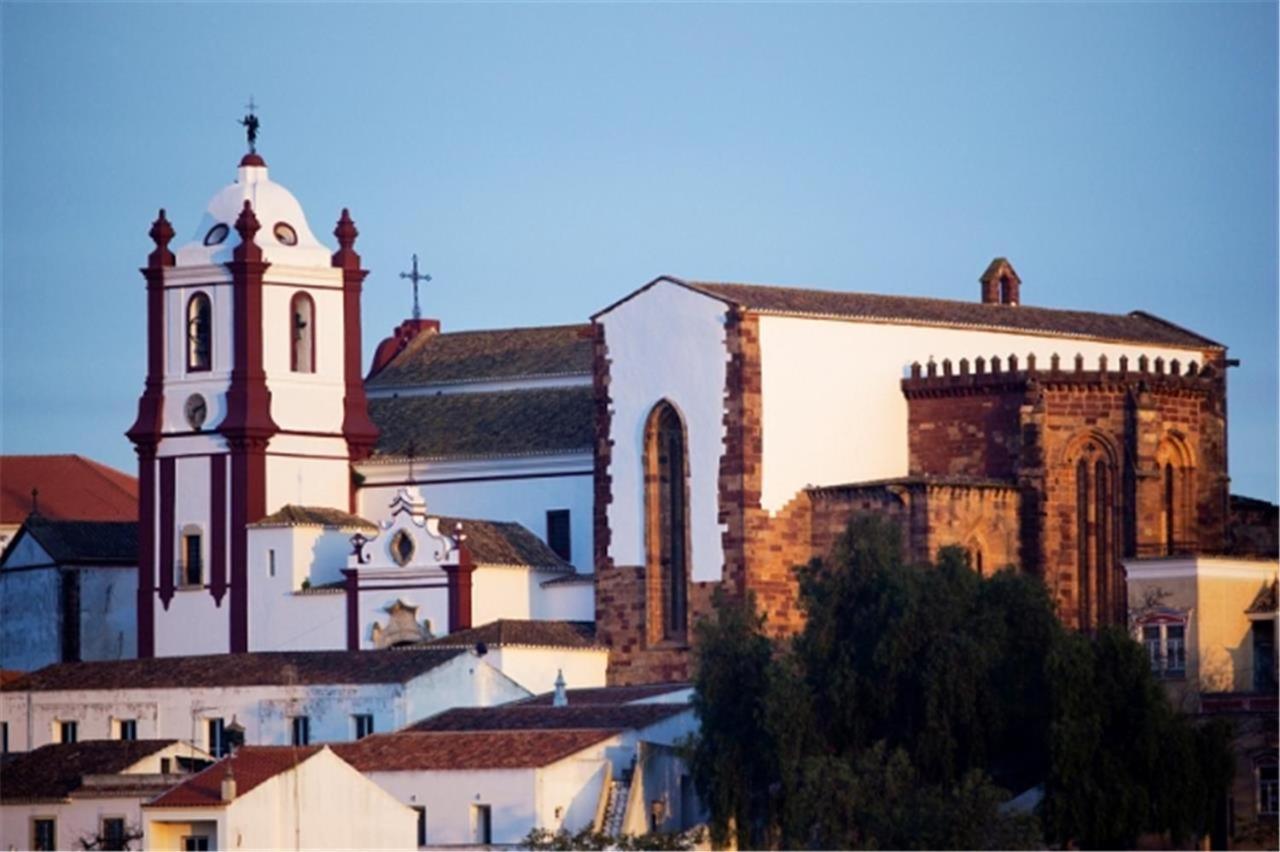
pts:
[199, 333]
[666, 482]
[302, 330]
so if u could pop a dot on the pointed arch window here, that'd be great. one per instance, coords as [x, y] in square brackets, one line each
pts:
[302, 328]
[1176, 467]
[1100, 594]
[667, 523]
[199, 333]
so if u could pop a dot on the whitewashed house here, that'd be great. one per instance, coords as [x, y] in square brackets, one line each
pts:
[68, 795]
[534, 653]
[68, 591]
[278, 798]
[491, 787]
[277, 698]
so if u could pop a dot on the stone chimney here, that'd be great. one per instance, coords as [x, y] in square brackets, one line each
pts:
[561, 698]
[1000, 284]
[229, 784]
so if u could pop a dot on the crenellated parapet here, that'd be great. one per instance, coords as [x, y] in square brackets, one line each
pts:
[983, 375]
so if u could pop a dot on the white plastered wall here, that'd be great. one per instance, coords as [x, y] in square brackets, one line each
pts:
[536, 668]
[667, 342]
[496, 490]
[833, 409]
[308, 402]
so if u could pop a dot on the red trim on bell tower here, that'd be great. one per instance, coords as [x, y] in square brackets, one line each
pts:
[357, 428]
[145, 431]
[248, 425]
[459, 588]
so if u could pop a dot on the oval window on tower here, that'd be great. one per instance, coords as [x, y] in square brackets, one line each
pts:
[286, 234]
[216, 234]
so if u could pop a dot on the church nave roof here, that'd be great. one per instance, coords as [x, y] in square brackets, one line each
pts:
[489, 355]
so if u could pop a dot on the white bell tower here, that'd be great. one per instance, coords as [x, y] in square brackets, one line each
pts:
[254, 400]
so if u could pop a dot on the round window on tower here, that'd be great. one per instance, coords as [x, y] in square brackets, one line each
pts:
[286, 234]
[216, 235]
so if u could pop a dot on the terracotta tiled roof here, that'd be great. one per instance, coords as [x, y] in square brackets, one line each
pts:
[314, 516]
[55, 771]
[522, 717]
[411, 751]
[1137, 326]
[251, 766]
[469, 425]
[1265, 602]
[71, 488]
[939, 480]
[497, 354]
[264, 668]
[505, 543]
[83, 542]
[608, 694]
[510, 631]
[7, 675]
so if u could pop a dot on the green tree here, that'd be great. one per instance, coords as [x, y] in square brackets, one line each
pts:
[919, 698]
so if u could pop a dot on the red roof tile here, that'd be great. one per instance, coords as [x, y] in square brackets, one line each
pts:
[529, 717]
[445, 750]
[609, 694]
[259, 668]
[71, 488]
[54, 771]
[252, 765]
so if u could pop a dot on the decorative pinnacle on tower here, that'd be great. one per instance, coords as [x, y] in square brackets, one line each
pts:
[251, 124]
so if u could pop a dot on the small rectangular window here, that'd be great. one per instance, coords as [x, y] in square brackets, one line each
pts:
[128, 729]
[301, 730]
[1151, 639]
[198, 843]
[1175, 649]
[271, 563]
[4, 737]
[558, 533]
[363, 724]
[192, 559]
[217, 739]
[481, 824]
[113, 833]
[67, 732]
[1268, 790]
[422, 825]
[166, 765]
[44, 834]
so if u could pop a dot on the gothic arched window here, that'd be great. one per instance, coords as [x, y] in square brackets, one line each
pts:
[1100, 595]
[667, 523]
[302, 329]
[1176, 467]
[199, 333]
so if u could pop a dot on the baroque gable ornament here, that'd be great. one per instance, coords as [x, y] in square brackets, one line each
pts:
[402, 626]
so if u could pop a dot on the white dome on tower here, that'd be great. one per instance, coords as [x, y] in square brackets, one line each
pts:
[284, 237]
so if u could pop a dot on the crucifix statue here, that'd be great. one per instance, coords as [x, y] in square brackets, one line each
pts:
[415, 277]
[251, 123]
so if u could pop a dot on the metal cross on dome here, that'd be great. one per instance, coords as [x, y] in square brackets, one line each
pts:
[251, 123]
[415, 277]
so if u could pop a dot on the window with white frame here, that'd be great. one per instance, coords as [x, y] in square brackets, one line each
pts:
[1268, 787]
[68, 732]
[126, 729]
[216, 730]
[1164, 635]
[363, 725]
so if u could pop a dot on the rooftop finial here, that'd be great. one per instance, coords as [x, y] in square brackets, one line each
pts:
[251, 124]
[415, 277]
[561, 698]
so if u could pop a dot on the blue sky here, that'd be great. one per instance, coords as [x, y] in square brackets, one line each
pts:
[545, 159]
